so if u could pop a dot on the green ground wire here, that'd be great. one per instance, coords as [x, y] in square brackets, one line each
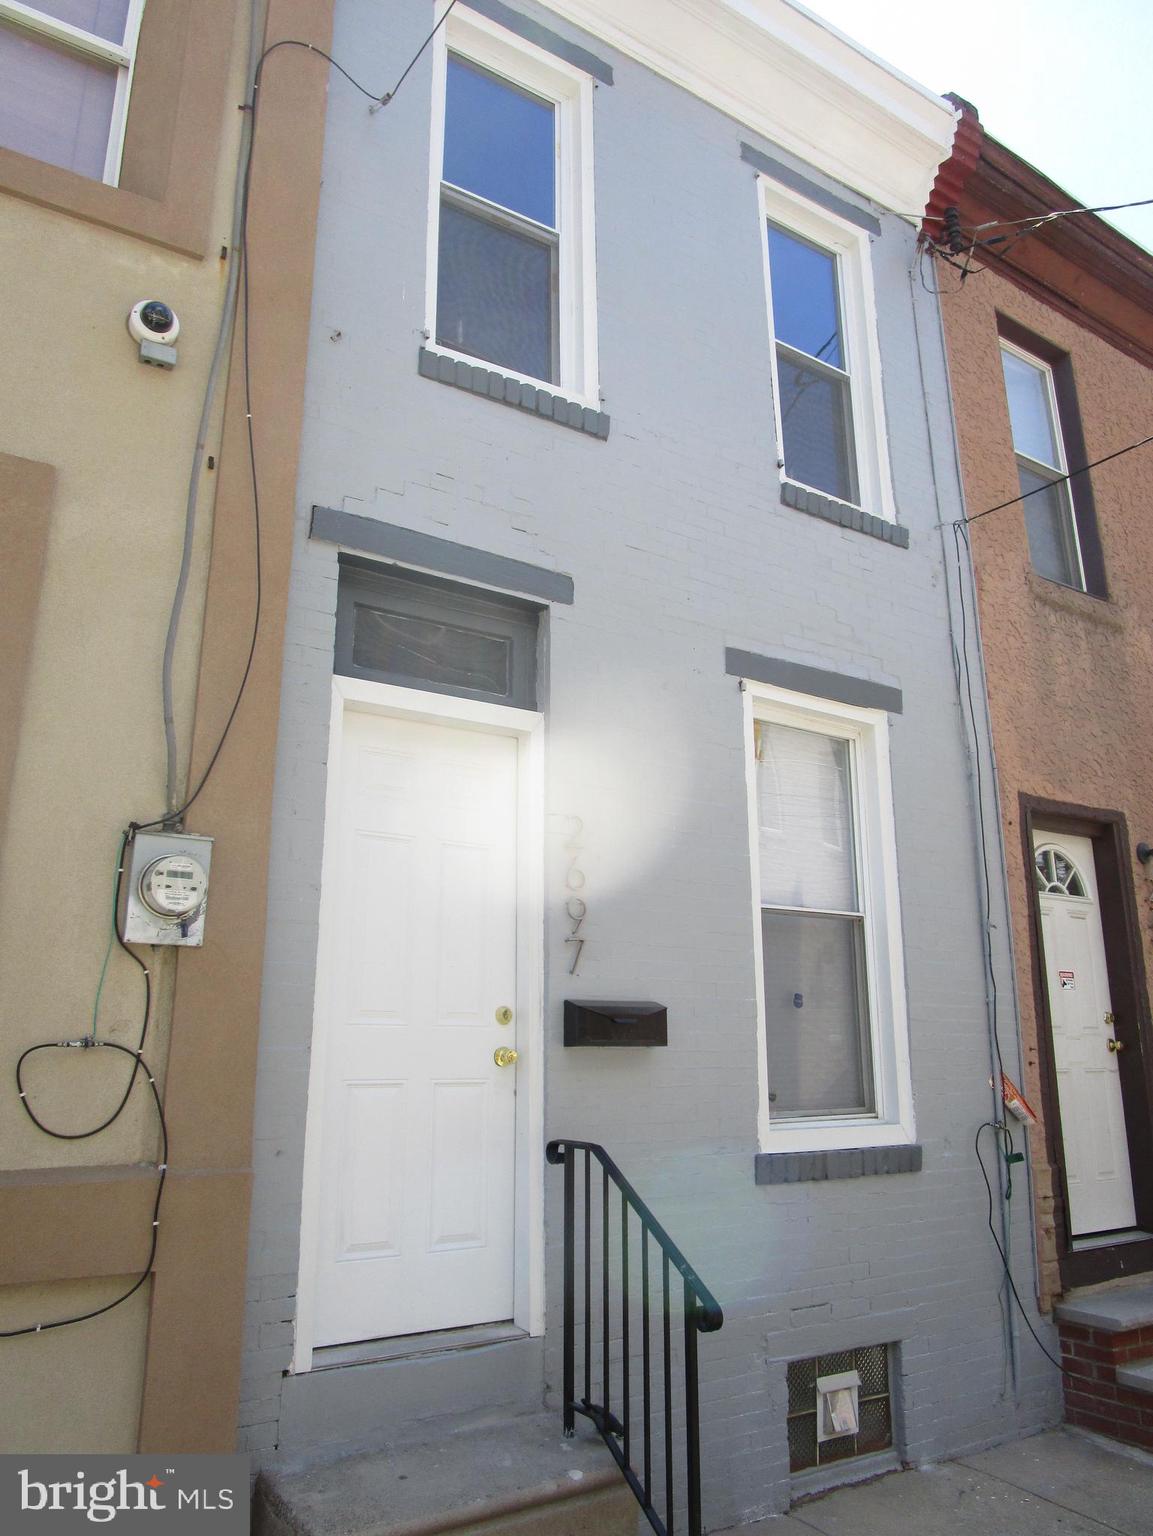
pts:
[111, 941]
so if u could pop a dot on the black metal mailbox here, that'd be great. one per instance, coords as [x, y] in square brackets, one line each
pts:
[615, 1023]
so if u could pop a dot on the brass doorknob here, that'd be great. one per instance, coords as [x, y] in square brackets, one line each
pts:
[505, 1056]
[1115, 1045]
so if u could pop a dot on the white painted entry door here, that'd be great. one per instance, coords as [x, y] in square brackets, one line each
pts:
[415, 1225]
[1097, 1170]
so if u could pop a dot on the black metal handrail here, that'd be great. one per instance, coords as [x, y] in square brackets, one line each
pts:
[701, 1314]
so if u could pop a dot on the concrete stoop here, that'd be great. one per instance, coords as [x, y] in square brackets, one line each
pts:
[507, 1477]
[1107, 1354]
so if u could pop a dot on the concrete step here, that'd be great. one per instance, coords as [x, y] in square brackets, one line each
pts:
[1107, 1353]
[1137, 1376]
[507, 1476]
[1116, 1309]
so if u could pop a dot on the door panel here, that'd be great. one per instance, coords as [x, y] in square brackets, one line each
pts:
[1097, 1172]
[415, 1228]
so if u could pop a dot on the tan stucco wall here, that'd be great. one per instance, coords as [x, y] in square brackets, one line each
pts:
[1068, 674]
[118, 437]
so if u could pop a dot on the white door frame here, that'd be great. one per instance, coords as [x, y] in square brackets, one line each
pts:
[527, 728]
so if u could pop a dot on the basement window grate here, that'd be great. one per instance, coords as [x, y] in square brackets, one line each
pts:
[874, 1431]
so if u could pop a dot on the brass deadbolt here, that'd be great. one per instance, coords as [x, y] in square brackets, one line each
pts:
[504, 1015]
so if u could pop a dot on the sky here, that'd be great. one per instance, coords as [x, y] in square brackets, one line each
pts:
[1065, 84]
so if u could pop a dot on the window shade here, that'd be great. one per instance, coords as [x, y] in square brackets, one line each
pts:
[804, 795]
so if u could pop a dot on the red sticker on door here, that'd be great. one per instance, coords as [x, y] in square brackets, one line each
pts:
[1068, 980]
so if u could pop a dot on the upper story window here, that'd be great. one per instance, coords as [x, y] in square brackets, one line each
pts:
[826, 368]
[65, 75]
[835, 1048]
[1038, 442]
[512, 239]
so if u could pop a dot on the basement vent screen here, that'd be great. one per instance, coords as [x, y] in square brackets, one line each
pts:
[839, 1407]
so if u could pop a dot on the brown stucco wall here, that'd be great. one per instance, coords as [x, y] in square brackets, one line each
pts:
[1068, 674]
[94, 457]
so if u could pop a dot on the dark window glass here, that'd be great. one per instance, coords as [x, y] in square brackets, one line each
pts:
[816, 426]
[806, 311]
[495, 293]
[500, 142]
[1049, 524]
[443, 655]
[815, 1014]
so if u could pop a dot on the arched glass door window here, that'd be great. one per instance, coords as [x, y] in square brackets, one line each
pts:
[1056, 874]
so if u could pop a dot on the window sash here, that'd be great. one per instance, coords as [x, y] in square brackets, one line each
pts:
[834, 1068]
[860, 1028]
[37, 23]
[523, 228]
[892, 1120]
[1067, 534]
[847, 446]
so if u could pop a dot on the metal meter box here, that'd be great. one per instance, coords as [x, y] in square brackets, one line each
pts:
[167, 888]
[598, 1023]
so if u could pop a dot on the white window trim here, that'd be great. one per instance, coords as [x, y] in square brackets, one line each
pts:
[1062, 465]
[76, 40]
[893, 1122]
[850, 245]
[492, 47]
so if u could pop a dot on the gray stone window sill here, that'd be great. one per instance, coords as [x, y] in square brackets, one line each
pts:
[818, 505]
[849, 1163]
[476, 379]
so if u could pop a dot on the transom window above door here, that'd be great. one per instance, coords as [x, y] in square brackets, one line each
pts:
[512, 225]
[394, 625]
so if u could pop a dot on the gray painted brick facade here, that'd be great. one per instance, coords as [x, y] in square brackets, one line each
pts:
[679, 546]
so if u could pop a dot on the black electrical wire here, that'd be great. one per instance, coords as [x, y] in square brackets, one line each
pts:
[1057, 480]
[1002, 1130]
[1059, 213]
[172, 817]
[138, 1064]
[89, 1042]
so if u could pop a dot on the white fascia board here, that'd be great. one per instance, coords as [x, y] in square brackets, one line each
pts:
[781, 72]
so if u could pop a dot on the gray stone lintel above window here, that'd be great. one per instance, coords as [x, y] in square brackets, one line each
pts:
[815, 681]
[405, 546]
[816, 504]
[849, 1163]
[796, 181]
[544, 38]
[476, 379]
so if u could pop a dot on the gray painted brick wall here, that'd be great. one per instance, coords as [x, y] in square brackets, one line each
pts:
[679, 545]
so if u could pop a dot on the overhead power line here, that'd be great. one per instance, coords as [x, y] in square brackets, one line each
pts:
[1057, 480]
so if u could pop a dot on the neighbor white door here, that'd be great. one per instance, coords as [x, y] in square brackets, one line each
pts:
[1097, 1168]
[415, 1222]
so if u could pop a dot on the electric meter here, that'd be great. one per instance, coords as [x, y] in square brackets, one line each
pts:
[174, 886]
[167, 888]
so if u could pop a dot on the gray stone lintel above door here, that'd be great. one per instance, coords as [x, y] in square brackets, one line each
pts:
[405, 546]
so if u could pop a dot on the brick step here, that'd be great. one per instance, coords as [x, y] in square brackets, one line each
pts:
[1107, 1356]
[505, 1477]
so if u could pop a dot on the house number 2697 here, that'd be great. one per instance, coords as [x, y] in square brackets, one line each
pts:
[576, 908]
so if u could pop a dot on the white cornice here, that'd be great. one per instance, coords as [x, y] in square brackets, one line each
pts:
[781, 72]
